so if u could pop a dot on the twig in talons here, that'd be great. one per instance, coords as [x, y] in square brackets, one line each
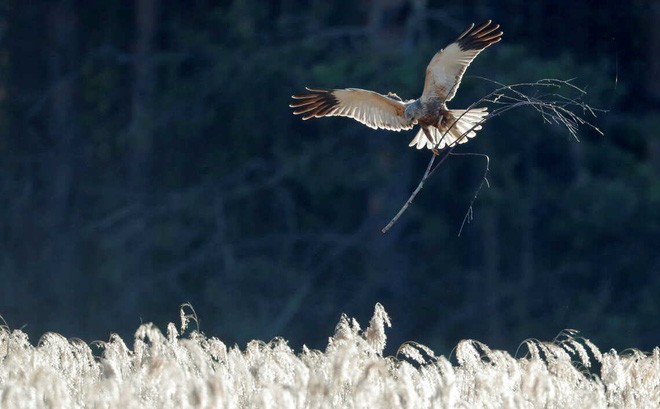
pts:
[427, 174]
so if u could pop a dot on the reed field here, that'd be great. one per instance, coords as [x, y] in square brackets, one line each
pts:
[184, 368]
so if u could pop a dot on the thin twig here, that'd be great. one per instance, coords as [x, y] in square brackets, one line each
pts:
[470, 211]
[429, 171]
[411, 198]
[552, 107]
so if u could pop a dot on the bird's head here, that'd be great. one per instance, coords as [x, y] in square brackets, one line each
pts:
[412, 111]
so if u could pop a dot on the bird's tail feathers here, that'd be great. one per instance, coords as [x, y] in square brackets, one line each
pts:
[456, 127]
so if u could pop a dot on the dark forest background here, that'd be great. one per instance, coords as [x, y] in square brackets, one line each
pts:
[148, 158]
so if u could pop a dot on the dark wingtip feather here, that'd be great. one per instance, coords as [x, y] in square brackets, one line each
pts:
[480, 37]
[466, 31]
[316, 103]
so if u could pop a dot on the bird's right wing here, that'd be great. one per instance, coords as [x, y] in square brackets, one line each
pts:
[368, 107]
[446, 69]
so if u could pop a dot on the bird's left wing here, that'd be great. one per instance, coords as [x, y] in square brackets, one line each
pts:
[446, 69]
[368, 107]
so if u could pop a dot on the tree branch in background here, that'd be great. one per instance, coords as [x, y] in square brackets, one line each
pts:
[552, 106]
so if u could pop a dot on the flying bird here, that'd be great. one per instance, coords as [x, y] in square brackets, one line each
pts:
[439, 125]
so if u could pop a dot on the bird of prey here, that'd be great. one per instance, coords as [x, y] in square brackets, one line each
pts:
[439, 125]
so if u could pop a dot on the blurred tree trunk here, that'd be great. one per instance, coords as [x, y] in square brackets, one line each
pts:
[140, 143]
[394, 24]
[653, 79]
[385, 32]
[653, 52]
[527, 269]
[387, 263]
[416, 24]
[492, 288]
[60, 168]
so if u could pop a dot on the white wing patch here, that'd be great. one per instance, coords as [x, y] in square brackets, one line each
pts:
[446, 69]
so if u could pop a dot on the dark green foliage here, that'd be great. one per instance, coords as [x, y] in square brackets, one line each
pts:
[131, 182]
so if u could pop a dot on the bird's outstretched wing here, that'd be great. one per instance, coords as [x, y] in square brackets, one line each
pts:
[444, 72]
[368, 107]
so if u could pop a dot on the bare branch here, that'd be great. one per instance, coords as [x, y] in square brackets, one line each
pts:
[552, 106]
[411, 198]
